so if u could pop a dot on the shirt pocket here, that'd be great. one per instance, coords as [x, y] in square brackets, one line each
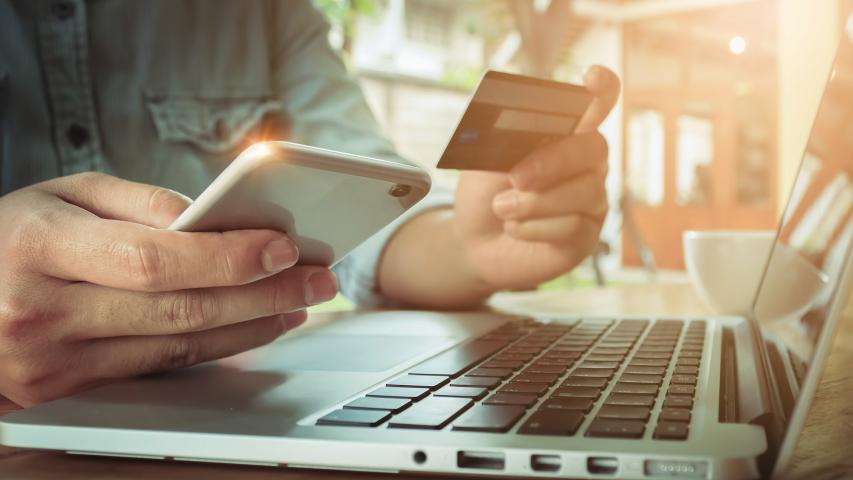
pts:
[214, 124]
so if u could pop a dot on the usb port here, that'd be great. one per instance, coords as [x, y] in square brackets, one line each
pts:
[545, 463]
[480, 460]
[602, 465]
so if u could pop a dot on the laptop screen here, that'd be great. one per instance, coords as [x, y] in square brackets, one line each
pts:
[803, 274]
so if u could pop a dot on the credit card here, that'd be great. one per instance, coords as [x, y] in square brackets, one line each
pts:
[510, 116]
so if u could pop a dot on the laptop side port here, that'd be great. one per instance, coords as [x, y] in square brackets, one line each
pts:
[602, 465]
[480, 460]
[546, 463]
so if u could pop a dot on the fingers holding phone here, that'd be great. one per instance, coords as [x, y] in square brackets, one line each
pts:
[93, 290]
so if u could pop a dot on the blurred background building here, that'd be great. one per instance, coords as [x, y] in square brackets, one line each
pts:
[717, 99]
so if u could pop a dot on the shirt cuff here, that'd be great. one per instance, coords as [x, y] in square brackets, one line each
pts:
[357, 272]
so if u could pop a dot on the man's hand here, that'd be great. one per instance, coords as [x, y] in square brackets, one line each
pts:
[92, 288]
[546, 215]
[513, 230]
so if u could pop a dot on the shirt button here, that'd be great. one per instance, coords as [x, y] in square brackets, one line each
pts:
[77, 135]
[63, 10]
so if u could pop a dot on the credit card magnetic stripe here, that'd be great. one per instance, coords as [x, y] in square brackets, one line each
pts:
[510, 116]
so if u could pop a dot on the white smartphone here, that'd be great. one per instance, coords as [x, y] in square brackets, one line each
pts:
[328, 202]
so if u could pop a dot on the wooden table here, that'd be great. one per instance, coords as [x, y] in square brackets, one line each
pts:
[825, 450]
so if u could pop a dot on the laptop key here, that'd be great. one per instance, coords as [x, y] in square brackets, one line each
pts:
[422, 381]
[568, 403]
[462, 392]
[512, 364]
[690, 354]
[630, 399]
[675, 415]
[568, 348]
[649, 362]
[610, 351]
[591, 364]
[524, 400]
[685, 370]
[432, 413]
[605, 358]
[684, 379]
[399, 392]
[490, 372]
[505, 357]
[654, 348]
[393, 405]
[608, 428]
[687, 362]
[636, 378]
[489, 418]
[539, 368]
[518, 349]
[645, 370]
[459, 358]
[653, 355]
[354, 418]
[593, 372]
[671, 431]
[635, 388]
[471, 381]
[678, 401]
[556, 360]
[548, 378]
[583, 392]
[574, 381]
[553, 422]
[525, 387]
[681, 390]
[624, 412]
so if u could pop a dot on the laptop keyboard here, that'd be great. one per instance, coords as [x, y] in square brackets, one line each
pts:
[548, 379]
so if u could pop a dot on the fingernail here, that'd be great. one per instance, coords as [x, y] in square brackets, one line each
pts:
[505, 203]
[321, 287]
[526, 175]
[279, 254]
[593, 74]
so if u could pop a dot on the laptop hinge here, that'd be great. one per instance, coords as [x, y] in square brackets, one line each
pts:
[756, 403]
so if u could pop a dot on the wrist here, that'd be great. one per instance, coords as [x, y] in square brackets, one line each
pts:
[467, 265]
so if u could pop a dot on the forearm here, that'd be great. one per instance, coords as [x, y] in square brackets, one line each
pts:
[424, 265]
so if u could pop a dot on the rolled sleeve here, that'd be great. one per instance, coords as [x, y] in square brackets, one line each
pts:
[326, 108]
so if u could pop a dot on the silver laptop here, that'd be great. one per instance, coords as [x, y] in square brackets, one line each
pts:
[481, 393]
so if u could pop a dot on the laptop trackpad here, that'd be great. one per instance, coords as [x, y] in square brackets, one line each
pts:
[352, 353]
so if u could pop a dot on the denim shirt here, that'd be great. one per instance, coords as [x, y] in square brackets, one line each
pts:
[168, 92]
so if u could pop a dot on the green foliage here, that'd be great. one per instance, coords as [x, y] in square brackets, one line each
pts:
[464, 77]
[337, 304]
[344, 12]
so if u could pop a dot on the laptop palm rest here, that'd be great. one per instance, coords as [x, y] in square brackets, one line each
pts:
[351, 353]
[266, 391]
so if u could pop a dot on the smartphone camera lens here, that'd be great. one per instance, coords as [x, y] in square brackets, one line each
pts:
[400, 190]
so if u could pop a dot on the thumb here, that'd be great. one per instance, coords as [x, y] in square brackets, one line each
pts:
[604, 86]
[117, 199]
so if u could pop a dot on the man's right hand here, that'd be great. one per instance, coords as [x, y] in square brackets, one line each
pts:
[93, 288]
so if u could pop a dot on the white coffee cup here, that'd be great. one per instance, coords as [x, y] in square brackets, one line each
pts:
[726, 266]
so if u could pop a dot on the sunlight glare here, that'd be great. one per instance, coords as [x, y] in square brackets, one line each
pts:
[737, 45]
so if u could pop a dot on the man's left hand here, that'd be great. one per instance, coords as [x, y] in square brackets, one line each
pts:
[543, 217]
